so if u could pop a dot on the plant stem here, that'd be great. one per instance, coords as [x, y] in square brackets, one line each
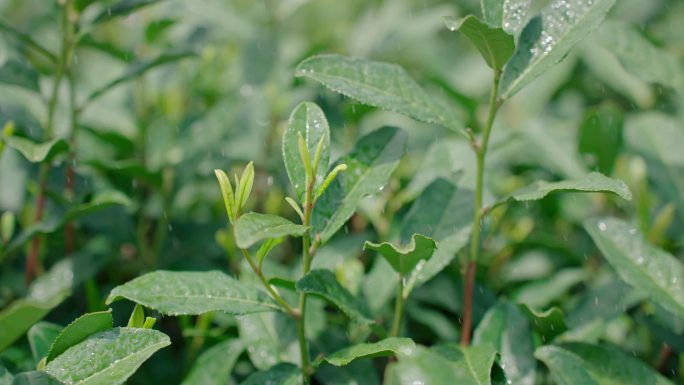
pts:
[70, 175]
[274, 294]
[306, 266]
[398, 309]
[32, 261]
[476, 228]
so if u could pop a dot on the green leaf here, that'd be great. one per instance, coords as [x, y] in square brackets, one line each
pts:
[254, 227]
[579, 363]
[547, 39]
[37, 152]
[639, 56]
[404, 259]
[227, 194]
[244, 188]
[261, 334]
[306, 120]
[640, 264]
[379, 84]
[122, 8]
[108, 357]
[40, 337]
[213, 367]
[137, 318]
[281, 374]
[386, 347]
[140, 68]
[370, 165]
[542, 292]
[548, 323]
[323, 283]
[266, 248]
[444, 213]
[506, 14]
[5, 376]
[445, 365]
[16, 73]
[601, 137]
[77, 331]
[35, 378]
[7, 224]
[193, 293]
[495, 45]
[27, 40]
[659, 138]
[505, 328]
[593, 182]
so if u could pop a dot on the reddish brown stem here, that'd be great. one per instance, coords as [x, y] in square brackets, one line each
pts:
[32, 256]
[665, 353]
[468, 303]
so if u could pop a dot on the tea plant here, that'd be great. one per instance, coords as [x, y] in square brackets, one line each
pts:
[449, 251]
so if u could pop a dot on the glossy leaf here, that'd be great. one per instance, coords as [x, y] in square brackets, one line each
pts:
[386, 347]
[378, 84]
[323, 283]
[37, 152]
[15, 73]
[442, 212]
[309, 121]
[593, 182]
[507, 14]
[494, 44]
[214, 366]
[505, 328]
[108, 357]
[404, 258]
[639, 56]
[79, 330]
[281, 374]
[640, 264]
[40, 337]
[578, 363]
[547, 39]
[193, 293]
[445, 365]
[548, 323]
[370, 164]
[254, 227]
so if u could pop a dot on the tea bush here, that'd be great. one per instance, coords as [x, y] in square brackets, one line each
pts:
[357, 192]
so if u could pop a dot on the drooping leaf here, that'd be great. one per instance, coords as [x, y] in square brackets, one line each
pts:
[323, 283]
[386, 347]
[193, 293]
[108, 357]
[579, 363]
[593, 182]
[639, 56]
[495, 45]
[640, 264]
[281, 374]
[548, 323]
[445, 365]
[370, 165]
[18, 74]
[40, 337]
[140, 68]
[378, 84]
[214, 366]
[306, 120]
[547, 39]
[254, 227]
[442, 212]
[35, 378]
[507, 14]
[37, 152]
[77, 331]
[404, 258]
[505, 328]
[122, 8]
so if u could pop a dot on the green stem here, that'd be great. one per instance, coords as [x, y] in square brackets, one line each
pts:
[264, 281]
[306, 266]
[398, 309]
[476, 228]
